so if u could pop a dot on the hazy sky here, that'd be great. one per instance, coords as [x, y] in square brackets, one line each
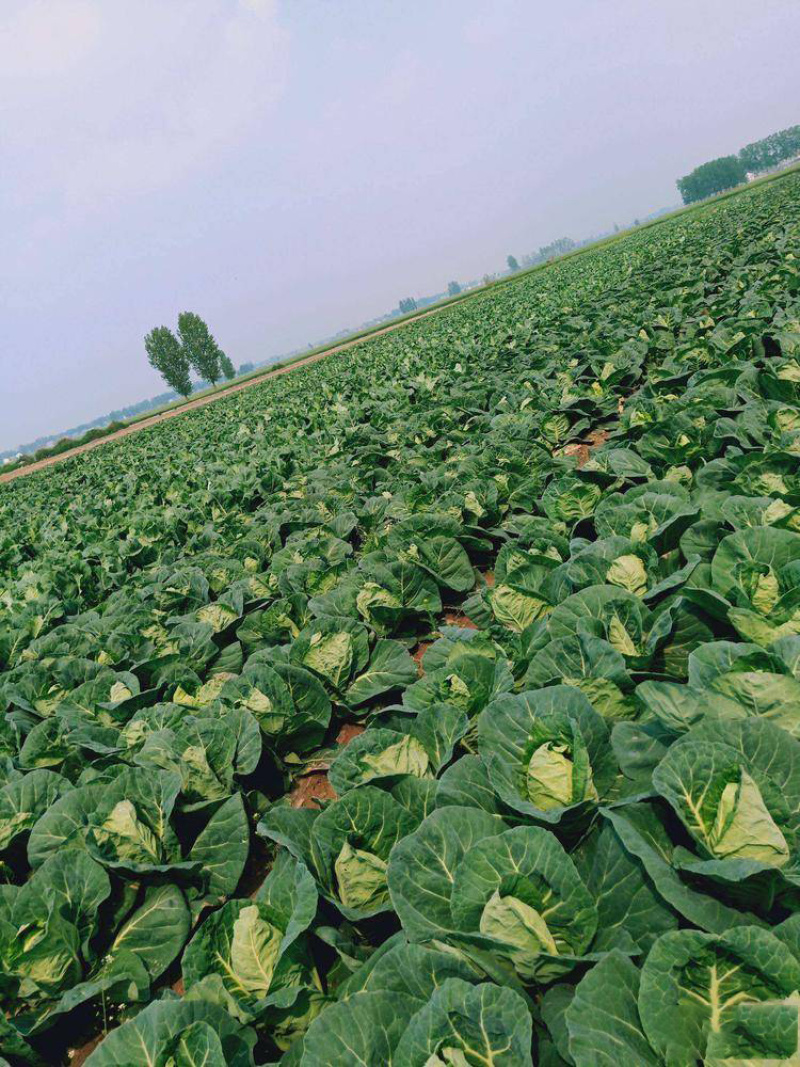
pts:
[288, 168]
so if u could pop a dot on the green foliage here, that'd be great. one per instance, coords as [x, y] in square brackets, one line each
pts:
[713, 177]
[201, 349]
[249, 957]
[559, 247]
[729, 171]
[772, 150]
[547, 694]
[167, 355]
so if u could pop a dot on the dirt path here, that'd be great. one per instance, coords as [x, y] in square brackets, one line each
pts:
[190, 405]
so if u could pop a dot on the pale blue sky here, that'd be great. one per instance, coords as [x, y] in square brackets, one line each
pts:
[288, 168]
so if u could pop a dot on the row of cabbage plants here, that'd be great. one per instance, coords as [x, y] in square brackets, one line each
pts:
[549, 690]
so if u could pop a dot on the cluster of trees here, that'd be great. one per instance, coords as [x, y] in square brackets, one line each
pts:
[556, 248]
[772, 150]
[409, 303]
[713, 177]
[194, 349]
[559, 247]
[729, 171]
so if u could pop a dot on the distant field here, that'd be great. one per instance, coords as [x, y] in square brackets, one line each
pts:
[437, 705]
[197, 400]
[92, 439]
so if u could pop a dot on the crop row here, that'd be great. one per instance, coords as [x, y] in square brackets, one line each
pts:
[565, 826]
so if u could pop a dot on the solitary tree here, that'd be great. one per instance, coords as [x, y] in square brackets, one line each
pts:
[407, 305]
[226, 366]
[201, 348]
[168, 357]
[512, 263]
[453, 288]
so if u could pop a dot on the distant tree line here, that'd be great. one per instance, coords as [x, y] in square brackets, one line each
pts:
[99, 423]
[194, 349]
[772, 150]
[557, 248]
[409, 303]
[100, 426]
[729, 171]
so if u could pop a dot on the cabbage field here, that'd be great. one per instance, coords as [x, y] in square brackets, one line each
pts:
[437, 705]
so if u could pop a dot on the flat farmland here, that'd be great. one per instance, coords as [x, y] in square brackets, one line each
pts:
[437, 704]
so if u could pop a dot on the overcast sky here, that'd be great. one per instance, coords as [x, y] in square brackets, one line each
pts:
[288, 168]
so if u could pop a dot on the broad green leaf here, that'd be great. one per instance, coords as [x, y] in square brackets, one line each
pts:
[255, 947]
[221, 848]
[365, 1029]
[25, 799]
[691, 981]
[360, 878]
[630, 912]
[390, 667]
[603, 1018]
[422, 868]
[645, 837]
[146, 1037]
[465, 1024]
[156, 932]
[197, 1046]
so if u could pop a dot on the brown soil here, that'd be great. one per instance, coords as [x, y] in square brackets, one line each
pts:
[312, 789]
[201, 402]
[418, 653]
[79, 1056]
[458, 618]
[348, 732]
[584, 449]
